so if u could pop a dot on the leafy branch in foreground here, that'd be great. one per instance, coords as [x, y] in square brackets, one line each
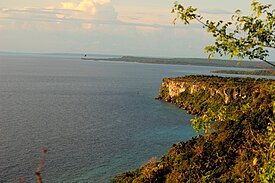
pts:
[245, 36]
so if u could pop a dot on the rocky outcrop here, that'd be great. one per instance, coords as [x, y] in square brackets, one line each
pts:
[239, 113]
[180, 90]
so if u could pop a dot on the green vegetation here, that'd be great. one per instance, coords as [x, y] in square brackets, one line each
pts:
[237, 116]
[245, 36]
[255, 72]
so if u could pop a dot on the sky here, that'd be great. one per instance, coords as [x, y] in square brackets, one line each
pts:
[122, 27]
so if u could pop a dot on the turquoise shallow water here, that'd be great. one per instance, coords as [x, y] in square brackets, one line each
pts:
[97, 119]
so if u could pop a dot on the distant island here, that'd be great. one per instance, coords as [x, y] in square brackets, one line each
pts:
[254, 72]
[185, 61]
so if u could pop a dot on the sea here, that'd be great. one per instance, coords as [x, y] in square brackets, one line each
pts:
[84, 121]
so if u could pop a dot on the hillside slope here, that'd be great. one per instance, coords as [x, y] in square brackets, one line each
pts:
[238, 118]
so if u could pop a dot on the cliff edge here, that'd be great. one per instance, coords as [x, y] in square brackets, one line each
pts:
[237, 116]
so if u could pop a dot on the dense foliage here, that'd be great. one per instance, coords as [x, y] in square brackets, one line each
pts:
[245, 36]
[237, 115]
[239, 140]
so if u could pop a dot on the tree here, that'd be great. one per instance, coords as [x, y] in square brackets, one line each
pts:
[245, 36]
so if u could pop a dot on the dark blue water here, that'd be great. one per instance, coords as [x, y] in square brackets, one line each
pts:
[97, 119]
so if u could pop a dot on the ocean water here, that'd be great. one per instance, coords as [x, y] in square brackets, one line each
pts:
[97, 119]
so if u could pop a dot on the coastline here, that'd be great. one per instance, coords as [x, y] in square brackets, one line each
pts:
[185, 61]
[231, 112]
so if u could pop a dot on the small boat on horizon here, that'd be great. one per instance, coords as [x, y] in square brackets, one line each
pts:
[85, 57]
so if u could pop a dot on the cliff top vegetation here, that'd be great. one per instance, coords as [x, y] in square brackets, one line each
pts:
[238, 140]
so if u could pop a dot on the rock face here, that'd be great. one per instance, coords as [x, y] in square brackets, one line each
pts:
[227, 88]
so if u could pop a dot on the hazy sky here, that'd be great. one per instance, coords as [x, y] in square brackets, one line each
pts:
[124, 27]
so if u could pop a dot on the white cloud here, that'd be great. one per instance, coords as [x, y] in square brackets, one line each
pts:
[84, 9]
[84, 14]
[71, 14]
[87, 6]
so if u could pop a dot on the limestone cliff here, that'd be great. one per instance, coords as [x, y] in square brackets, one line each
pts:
[226, 89]
[239, 146]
